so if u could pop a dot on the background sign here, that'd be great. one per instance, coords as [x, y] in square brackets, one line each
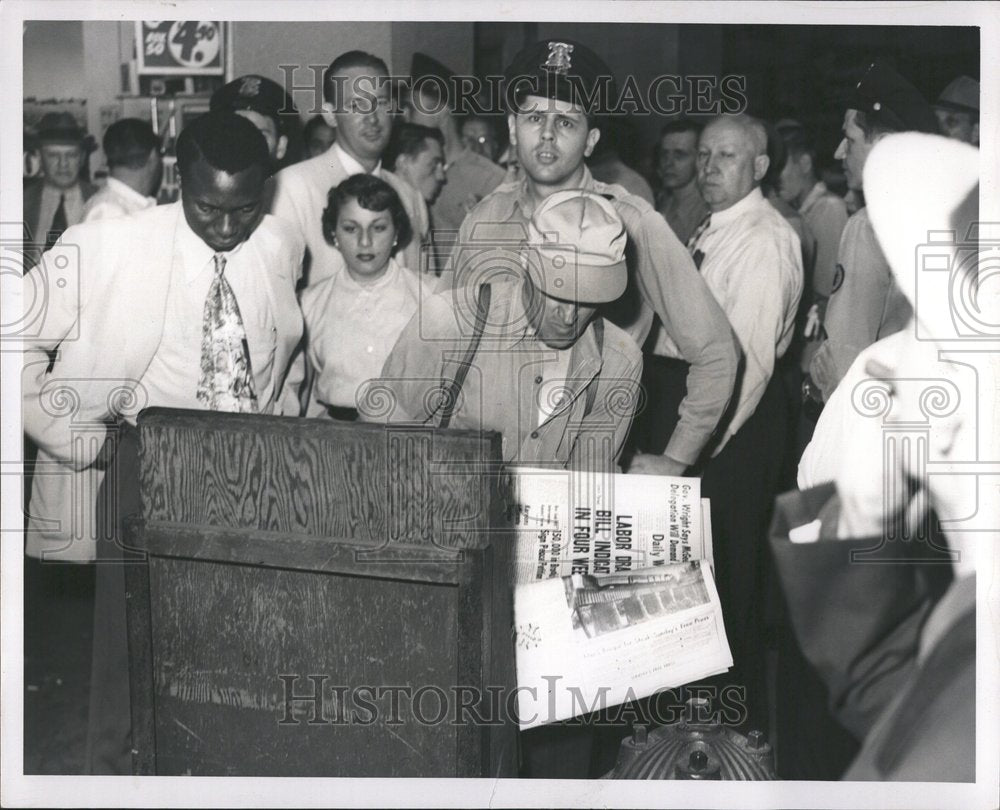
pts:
[180, 47]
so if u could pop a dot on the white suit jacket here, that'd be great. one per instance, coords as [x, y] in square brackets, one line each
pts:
[301, 195]
[106, 284]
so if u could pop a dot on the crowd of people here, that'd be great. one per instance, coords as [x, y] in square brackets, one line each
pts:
[527, 281]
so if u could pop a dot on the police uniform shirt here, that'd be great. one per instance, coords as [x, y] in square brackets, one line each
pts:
[668, 282]
[351, 329]
[753, 266]
[171, 380]
[866, 304]
[826, 215]
[116, 199]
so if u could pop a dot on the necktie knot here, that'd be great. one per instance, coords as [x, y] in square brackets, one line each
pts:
[220, 263]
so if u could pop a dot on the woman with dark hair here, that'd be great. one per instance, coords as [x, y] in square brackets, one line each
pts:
[354, 317]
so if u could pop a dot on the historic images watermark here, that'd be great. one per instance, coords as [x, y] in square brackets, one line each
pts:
[665, 94]
[318, 700]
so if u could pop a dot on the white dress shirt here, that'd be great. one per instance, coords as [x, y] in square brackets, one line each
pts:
[753, 266]
[351, 328]
[72, 205]
[171, 380]
[116, 199]
[352, 166]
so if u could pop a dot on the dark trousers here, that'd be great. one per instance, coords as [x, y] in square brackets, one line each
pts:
[109, 725]
[741, 483]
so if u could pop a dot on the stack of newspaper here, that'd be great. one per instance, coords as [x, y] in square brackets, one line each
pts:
[614, 597]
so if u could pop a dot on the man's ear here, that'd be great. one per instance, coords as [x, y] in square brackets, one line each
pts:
[327, 112]
[592, 138]
[805, 162]
[281, 147]
[511, 130]
[760, 164]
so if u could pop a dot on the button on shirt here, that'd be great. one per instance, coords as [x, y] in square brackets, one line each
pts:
[116, 199]
[171, 379]
[351, 329]
[753, 266]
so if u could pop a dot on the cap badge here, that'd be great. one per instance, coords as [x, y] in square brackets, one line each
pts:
[250, 86]
[558, 60]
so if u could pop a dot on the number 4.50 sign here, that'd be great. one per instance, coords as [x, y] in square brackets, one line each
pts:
[180, 48]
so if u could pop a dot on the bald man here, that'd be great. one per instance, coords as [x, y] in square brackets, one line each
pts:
[751, 259]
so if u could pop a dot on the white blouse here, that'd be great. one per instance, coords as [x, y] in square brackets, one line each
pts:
[351, 328]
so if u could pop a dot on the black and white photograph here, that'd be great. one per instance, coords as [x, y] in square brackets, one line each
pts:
[291, 297]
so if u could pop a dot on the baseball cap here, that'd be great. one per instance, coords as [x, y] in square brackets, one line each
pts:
[883, 89]
[561, 69]
[961, 95]
[253, 92]
[576, 248]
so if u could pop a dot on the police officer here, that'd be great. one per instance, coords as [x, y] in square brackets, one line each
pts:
[561, 87]
[866, 304]
[262, 102]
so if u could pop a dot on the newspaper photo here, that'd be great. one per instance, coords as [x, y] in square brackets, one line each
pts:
[588, 642]
[589, 523]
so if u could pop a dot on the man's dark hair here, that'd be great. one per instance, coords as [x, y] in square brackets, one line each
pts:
[410, 140]
[350, 59]
[879, 122]
[372, 194]
[128, 142]
[777, 154]
[682, 124]
[226, 141]
[798, 143]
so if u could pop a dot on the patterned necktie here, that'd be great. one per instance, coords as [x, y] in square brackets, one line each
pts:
[226, 382]
[59, 223]
[698, 255]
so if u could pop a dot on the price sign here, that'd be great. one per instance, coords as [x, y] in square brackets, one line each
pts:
[180, 48]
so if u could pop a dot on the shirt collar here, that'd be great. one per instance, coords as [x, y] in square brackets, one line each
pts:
[71, 193]
[522, 200]
[753, 200]
[194, 254]
[351, 165]
[129, 193]
[388, 278]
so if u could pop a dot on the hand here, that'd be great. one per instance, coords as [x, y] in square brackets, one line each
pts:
[652, 464]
